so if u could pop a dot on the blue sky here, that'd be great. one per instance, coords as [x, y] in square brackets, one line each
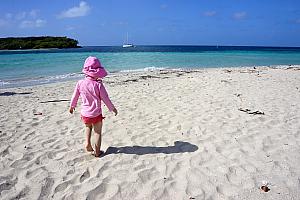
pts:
[152, 22]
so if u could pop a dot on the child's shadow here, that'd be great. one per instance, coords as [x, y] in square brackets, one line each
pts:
[179, 147]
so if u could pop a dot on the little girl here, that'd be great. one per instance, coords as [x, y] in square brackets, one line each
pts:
[92, 92]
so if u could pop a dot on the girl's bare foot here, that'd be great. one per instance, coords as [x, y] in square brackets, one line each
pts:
[89, 148]
[98, 153]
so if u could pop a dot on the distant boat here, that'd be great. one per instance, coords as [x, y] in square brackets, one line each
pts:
[127, 45]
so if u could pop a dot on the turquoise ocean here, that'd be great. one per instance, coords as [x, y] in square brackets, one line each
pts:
[33, 67]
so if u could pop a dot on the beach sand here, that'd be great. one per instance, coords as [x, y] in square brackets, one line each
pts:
[194, 134]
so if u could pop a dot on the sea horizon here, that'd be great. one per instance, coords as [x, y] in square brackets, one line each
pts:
[226, 47]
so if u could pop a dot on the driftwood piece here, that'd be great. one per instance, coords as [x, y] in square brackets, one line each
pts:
[227, 70]
[293, 68]
[55, 101]
[130, 80]
[148, 76]
[248, 111]
[249, 71]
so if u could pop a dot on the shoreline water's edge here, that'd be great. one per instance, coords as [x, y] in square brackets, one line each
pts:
[30, 82]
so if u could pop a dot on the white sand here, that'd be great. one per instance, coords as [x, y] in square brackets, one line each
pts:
[178, 135]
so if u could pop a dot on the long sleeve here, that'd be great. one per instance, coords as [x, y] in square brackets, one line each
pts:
[105, 98]
[75, 96]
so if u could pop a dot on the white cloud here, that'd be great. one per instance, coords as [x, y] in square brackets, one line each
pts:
[40, 22]
[33, 23]
[210, 13]
[22, 19]
[20, 15]
[3, 22]
[8, 15]
[239, 15]
[80, 11]
[70, 28]
[33, 13]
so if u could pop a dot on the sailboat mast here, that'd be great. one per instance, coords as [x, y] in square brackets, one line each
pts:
[127, 44]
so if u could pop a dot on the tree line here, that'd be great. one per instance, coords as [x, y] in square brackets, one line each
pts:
[43, 42]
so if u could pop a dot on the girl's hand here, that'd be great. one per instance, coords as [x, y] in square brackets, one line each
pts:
[99, 80]
[71, 110]
[115, 111]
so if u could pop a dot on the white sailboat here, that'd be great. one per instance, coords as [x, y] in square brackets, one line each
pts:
[126, 45]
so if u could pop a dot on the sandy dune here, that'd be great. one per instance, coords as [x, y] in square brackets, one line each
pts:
[199, 134]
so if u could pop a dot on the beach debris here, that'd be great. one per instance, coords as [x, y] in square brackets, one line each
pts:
[14, 93]
[249, 71]
[238, 95]
[225, 81]
[164, 72]
[130, 80]
[227, 70]
[251, 112]
[54, 101]
[265, 188]
[192, 197]
[294, 68]
[38, 113]
[148, 76]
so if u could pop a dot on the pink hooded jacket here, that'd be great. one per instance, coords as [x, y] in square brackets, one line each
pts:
[92, 93]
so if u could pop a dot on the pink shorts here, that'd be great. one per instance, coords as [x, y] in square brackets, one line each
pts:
[92, 120]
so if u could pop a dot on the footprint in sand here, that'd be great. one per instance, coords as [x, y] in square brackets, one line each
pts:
[29, 135]
[47, 142]
[21, 162]
[5, 151]
[35, 124]
[61, 186]
[85, 175]
[7, 184]
[59, 122]
[70, 172]
[23, 193]
[46, 188]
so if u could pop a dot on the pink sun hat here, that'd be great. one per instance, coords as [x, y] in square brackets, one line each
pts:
[92, 67]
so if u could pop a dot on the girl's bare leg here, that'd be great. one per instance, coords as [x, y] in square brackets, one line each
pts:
[98, 131]
[88, 133]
